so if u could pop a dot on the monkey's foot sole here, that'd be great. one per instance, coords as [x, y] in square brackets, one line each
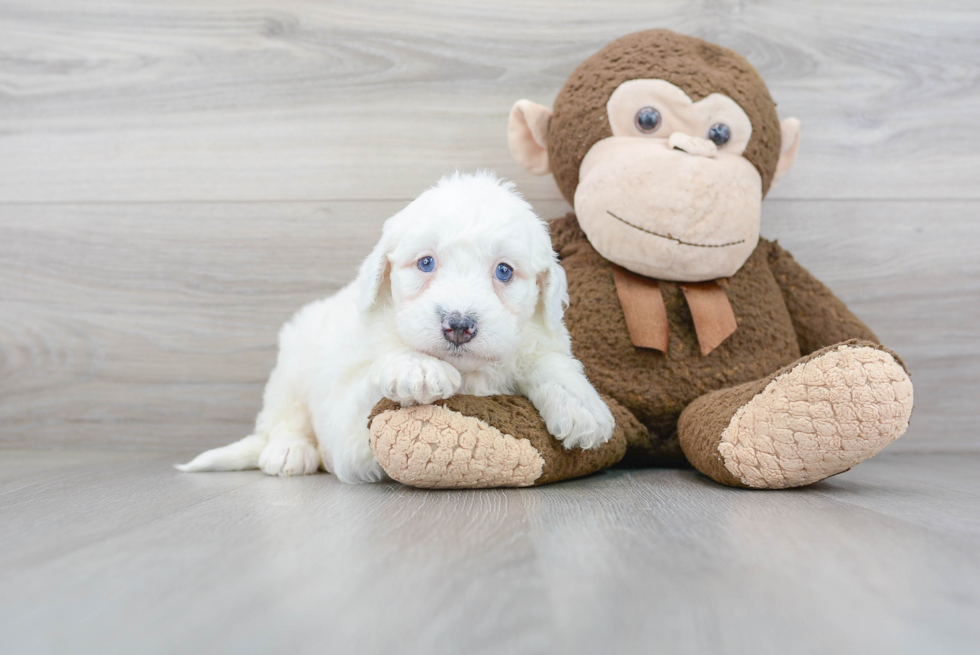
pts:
[471, 442]
[816, 418]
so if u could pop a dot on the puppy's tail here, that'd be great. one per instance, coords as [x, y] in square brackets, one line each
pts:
[238, 456]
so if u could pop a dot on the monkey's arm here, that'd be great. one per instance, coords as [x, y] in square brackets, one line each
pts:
[820, 318]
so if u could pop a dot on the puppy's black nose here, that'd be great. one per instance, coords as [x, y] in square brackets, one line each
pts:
[457, 328]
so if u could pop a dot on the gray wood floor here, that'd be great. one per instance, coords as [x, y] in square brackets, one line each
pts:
[119, 553]
[178, 176]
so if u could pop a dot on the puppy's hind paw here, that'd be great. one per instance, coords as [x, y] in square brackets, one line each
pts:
[358, 467]
[289, 457]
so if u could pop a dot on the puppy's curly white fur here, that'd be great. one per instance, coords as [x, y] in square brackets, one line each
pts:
[462, 295]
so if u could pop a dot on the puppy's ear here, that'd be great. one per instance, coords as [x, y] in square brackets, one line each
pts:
[554, 295]
[372, 273]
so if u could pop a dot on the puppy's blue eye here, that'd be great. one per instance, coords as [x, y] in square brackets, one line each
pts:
[504, 272]
[427, 264]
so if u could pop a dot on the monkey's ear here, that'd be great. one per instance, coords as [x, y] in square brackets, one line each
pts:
[527, 136]
[791, 145]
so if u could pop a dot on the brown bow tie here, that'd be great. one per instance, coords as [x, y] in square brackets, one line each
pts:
[646, 315]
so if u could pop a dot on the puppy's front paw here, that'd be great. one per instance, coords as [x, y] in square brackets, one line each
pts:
[288, 457]
[578, 418]
[418, 379]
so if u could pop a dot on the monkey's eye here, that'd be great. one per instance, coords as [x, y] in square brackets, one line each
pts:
[504, 272]
[647, 120]
[427, 264]
[719, 133]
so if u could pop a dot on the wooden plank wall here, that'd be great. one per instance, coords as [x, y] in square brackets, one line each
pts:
[177, 177]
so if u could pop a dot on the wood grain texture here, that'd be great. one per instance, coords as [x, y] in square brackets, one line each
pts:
[118, 100]
[119, 553]
[154, 325]
[176, 178]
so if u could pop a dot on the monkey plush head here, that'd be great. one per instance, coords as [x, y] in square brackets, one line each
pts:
[665, 145]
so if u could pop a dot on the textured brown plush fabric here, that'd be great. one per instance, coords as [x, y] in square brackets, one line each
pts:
[819, 317]
[699, 68]
[654, 386]
[647, 390]
[516, 416]
[663, 400]
[703, 422]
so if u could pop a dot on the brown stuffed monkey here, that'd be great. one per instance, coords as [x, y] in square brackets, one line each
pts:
[710, 344]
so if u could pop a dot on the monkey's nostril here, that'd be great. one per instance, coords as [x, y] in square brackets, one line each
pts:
[458, 329]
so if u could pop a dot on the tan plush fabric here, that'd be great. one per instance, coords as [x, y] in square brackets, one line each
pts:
[701, 226]
[790, 137]
[692, 145]
[688, 120]
[773, 299]
[527, 135]
[430, 446]
[816, 418]
[714, 320]
[743, 394]
[699, 68]
[643, 309]
[702, 423]
[778, 307]
[473, 442]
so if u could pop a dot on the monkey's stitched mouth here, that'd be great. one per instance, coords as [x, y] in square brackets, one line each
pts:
[672, 238]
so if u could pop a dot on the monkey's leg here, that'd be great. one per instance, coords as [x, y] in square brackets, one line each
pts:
[812, 419]
[477, 442]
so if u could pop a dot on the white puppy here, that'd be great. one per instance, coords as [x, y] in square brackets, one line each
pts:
[462, 295]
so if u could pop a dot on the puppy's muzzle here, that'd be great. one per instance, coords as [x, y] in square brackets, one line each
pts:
[458, 328]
